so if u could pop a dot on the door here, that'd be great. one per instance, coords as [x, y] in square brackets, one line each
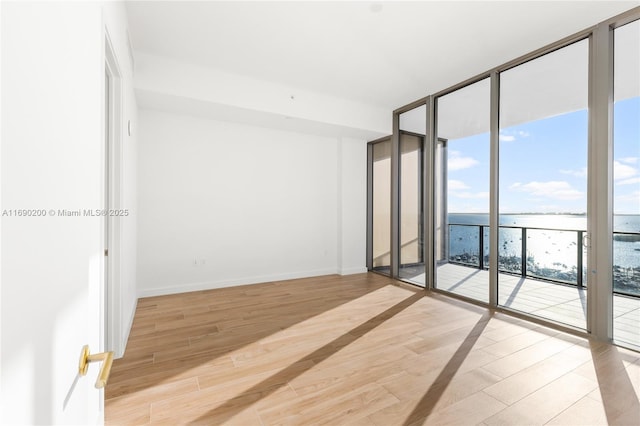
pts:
[626, 188]
[411, 233]
[543, 173]
[379, 200]
[51, 246]
[411, 208]
[462, 179]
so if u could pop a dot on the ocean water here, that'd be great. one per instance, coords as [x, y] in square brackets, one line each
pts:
[552, 245]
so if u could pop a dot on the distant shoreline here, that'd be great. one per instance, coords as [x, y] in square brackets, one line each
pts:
[543, 214]
[529, 214]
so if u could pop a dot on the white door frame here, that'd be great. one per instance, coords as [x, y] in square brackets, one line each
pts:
[112, 312]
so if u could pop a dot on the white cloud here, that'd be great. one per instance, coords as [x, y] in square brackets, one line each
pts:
[629, 181]
[456, 185]
[467, 195]
[633, 198]
[622, 171]
[581, 173]
[458, 162]
[629, 160]
[560, 190]
[457, 189]
[510, 135]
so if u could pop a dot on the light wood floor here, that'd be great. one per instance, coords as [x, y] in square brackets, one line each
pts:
[359, 350]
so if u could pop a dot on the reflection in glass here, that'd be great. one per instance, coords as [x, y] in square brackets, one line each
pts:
[411, 232]
[381, 232]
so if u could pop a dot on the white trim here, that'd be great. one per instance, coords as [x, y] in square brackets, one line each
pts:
[114, 340]
[1, 352]
[353, 270]
[211, 285]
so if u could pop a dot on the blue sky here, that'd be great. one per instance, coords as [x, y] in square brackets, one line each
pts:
[543, 165]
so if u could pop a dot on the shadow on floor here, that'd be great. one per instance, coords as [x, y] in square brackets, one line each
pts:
[514, 292]
[174, 334]
[619, 398]
[430, 399]
[233, 406]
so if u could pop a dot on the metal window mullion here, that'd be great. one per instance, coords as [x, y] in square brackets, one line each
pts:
[370, 206]
[600, 185]
[429, 186]
[395, 196]
[421, 196]
[494, 145]
[444, 197]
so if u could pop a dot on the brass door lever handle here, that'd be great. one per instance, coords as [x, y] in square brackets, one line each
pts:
[105, 370]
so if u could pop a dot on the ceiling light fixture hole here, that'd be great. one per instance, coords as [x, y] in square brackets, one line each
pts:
[375, 7]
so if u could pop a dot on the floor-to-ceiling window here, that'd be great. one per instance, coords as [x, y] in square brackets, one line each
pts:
[380, 205]
[626, 188]
[509, 191]
[543, 185]
[411, 195]
[461, 173]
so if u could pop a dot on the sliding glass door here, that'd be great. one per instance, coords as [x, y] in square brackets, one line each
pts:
[520, 188]
[461, 175]
[543, 145]
[379, 241]
[411, 266]
[626, 188]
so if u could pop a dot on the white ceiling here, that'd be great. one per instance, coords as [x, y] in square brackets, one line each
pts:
[383, 53]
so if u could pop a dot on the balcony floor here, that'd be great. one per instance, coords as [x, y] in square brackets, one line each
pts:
[556, 302]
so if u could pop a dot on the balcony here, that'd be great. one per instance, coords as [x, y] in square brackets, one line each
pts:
[547, 299]
[517, 256]
[541, 272]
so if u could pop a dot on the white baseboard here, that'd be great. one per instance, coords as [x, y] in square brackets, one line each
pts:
[210, 285]
[351, 271]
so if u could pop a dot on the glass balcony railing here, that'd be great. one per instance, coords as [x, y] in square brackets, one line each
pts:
[626, 263]
[555, 255]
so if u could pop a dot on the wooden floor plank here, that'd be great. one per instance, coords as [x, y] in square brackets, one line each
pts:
[358, 350]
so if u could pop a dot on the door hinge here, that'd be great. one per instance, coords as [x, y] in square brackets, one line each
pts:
[106, 252]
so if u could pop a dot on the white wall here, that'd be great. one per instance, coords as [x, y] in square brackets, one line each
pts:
[352, 209]
[239, 98]
[243, 180]
[248, 204]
